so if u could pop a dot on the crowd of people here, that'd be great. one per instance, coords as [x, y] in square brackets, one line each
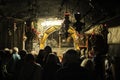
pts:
[22, 65]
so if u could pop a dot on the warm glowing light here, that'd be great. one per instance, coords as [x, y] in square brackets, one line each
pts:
[52, 23]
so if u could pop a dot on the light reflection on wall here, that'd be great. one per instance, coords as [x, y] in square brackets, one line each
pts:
[44, 24]
[51, 23]
[114, 34]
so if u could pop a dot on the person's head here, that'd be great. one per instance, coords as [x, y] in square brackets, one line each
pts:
[22, 53]
[40, 56]
[71, 57]
[41, 53]
[2, 55]
[52, 59]
[6, 49]
[48, 49]
[15, 50]
[29, 58]
[88, 64]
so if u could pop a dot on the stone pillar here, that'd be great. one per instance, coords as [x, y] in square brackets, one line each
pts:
[29, 35]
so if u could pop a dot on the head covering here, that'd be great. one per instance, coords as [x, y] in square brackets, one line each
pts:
[71, 57]
[48, 49]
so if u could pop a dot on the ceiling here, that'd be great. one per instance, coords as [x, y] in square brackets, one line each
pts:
[29, 8]
[92, 11]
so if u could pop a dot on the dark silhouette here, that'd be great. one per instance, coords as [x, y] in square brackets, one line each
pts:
[78, 25]
[51, 66]
[30, 70]
[40, 57]
[71, 69]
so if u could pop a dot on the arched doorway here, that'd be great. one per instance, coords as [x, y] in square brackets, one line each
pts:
[46, 34]
[52, 29]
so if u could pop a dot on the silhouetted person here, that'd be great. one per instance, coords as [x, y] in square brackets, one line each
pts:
[5, 57]
[30, 70]
[48, 50]
[71, 69]
[51, 66]
[2, 72]
[40, 57]
[20, 63]
[89, 65]
[12, 63]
